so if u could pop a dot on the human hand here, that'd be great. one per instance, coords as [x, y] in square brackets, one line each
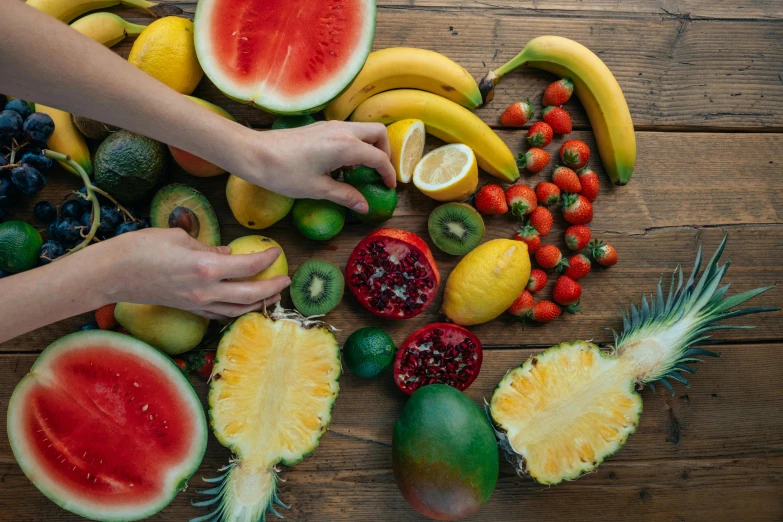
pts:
[168, 267]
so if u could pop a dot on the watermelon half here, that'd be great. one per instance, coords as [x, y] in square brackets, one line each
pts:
[106, 426]
[284, 56]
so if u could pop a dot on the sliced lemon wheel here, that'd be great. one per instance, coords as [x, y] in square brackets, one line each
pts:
[448, 173]
[406, 138]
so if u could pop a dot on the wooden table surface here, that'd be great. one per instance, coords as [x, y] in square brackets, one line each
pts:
[704, 82]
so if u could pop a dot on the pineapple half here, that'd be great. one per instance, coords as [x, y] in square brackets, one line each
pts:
[562, 412]
[273, 386]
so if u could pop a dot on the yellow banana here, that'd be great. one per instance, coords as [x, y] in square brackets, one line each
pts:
[407, 67]
[67, 139]
[446, 120]
[597, 89]
[67, 10]
[106, 28]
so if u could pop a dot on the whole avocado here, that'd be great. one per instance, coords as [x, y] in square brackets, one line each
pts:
[128, 166]
[444, 453]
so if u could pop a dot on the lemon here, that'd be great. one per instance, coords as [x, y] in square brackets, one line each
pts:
[254, 244]
[253, 206]
[406, 138]
[448, 173]
[486, 282]
[165, 50]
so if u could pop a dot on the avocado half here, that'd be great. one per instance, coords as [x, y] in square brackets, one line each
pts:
[181, 206]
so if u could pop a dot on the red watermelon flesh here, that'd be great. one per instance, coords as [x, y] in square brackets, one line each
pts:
[103, 426]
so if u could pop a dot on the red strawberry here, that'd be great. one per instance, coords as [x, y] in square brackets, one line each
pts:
[566, 179]
[529, 236]
[537, 280]
[181, 364]
[544, 311]
[578, 266]
[522, 305]
[567, 293]
[559, 92]
[541, 219]
[589, 181]
[203, 364]
[491, 200]
[575, 154]
[104, 316]
[539, 134]
[603, 254]
[576, 209]
[521, 200]
[534, 160]
[577, 236]
[549, 256]
[517, 114]
[558, 118]
[547, 193]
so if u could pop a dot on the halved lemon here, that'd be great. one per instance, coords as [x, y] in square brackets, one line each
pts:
[406, 138]
[448, 173]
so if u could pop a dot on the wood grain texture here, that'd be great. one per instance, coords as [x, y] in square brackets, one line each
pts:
[712, 452]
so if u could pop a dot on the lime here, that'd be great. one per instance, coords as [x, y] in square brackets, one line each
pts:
[318, 219]
[381, 199]
[19, 245]
[368, 351]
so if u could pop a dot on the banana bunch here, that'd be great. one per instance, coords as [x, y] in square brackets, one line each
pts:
[68, 10]
[106, 28]
[67, 139]
[594, 85]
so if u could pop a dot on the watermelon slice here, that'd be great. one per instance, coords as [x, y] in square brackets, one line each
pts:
[106, 426]
[284, 56]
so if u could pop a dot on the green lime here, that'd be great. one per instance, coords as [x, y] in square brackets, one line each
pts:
[291, 122]
[19, 245]
[368, 351]
[318, 219]
[382, 199]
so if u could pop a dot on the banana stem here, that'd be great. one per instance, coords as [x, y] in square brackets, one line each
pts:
[155, 9]
[133, 29]
[492, 78]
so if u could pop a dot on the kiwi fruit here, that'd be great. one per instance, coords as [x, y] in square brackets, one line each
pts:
[456, 228]
[317, 287]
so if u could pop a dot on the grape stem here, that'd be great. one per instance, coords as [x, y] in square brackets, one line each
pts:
[110, 198]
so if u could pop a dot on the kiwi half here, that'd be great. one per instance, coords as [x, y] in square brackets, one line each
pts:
[456, 228]
[317, 287]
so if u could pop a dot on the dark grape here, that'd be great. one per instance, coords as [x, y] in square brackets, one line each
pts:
[10, 125]
[45, 212]
[50, 251]
[86, 219]
[130, 226]
[51, 230]
[3, 99]
[40, 162]
[89, 326]
[2, 214]
[38, 127]
[68, 231]
[110, 219]
[27, 179]
[72, 209]
[3, 162]
[21, 107]
[9, 194]
[4, 274]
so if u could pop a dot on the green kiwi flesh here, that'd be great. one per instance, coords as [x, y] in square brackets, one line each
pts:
[317, 287]
[456, 228]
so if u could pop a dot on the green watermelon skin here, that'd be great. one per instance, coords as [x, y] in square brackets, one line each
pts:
[444, 453]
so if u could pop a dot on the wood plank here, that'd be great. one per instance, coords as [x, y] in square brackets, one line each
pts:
[655, 222]
[674, 73]
[713, 452]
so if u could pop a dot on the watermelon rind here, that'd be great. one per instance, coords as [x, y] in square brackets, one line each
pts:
[270, 101]
[176, 478]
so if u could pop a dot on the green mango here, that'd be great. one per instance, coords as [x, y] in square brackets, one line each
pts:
[170, 330]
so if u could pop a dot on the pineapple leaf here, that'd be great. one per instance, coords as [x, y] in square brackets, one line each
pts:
[699, 351]
[665, 384]
[677, 377]
[686, 368]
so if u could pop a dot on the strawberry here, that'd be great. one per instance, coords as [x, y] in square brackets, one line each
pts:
[575, 154]
[576, 209]
[541, 219]
[522, 305]
[203, 364]
[589, 181]
[537, 280]
[549, 256]
[539, 134]
[578, 266]
[567, 293]
[491, 200]
[577, 236]
[104, 316]
[181, 364]
[547, 193]
[544, 311]
[559, 92]
[521, 200]
[603, 254]
[566, 179]
[517, 114]
[558, 118]
[534, 160]
[529, 236]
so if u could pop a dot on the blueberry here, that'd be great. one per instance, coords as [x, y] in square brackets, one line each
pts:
[89, 326]
[40, 162]
[130, 226]
[50, 251]
[45, 212]
[10, 125]
[38, 127]
[72, 209]
[68, 231]
[110, 219]
[27, 179]
[9, 194]
[21, 107]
